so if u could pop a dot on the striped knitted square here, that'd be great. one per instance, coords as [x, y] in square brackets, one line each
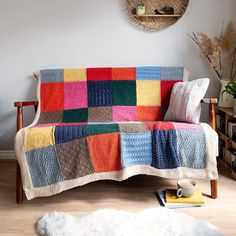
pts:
[99, 93]
[68, 133]
[136, 149]
[148, 73]
[44, 166]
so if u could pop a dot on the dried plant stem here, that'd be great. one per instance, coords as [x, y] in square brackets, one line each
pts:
[232, 66]
[195, 39]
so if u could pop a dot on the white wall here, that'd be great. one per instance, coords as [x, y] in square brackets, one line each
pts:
[70, 33]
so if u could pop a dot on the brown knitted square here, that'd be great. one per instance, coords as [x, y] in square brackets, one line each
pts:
[50, 117]
[74, 159]
[132, 127]
[100, 114]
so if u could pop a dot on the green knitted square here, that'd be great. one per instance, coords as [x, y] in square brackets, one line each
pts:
[124, 93]
[101, 129]
[76, 115]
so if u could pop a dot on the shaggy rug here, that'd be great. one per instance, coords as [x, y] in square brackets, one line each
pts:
[109, 222]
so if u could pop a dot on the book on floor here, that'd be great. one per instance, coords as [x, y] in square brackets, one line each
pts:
[161, 195]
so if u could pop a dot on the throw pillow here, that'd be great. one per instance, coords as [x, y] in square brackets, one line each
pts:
[185, 101]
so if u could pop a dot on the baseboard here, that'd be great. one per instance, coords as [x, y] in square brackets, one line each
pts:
[7, 155]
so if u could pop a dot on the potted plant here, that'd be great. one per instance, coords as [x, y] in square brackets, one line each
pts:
[230, 88]
[140, 9]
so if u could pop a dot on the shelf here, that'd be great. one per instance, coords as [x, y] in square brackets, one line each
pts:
[149, 15]
[226, 139]
[227, 168]
[228, 111]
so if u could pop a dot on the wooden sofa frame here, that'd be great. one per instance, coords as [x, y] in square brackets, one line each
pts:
[19, 124]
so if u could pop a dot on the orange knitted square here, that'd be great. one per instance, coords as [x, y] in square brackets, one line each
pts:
[105, 152]
[148, 113]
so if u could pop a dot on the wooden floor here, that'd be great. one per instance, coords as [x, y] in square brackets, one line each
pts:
[132, 195]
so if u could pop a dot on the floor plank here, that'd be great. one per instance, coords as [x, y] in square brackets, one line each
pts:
[133, 194]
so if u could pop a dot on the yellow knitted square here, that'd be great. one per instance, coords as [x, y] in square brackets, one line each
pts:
[39, 137]
[73, 75]
[148, 93]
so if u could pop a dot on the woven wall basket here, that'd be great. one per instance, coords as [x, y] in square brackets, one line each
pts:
[153, 21]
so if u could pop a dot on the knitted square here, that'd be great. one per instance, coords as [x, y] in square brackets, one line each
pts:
[74, 159]
[172, 73]
[165, 153]
[164, 125]
[104, 150]
[50, 117]
[148, 93]
[38, 137]
[52, 97]
[148, 73]
[50, 76]
[190, 146]
[99, 74]
[124, 93]
[99, 93]
[166, 88]
[68, 133]
[124, 113]
[133, 127]
[136, 149]
[93, 129]
[73, 75]
[75, 95]
[99, 114]
[123, 73]
[44, 166]
[76, 115]
[148, 113]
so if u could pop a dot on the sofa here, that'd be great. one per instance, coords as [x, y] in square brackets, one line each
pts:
[107, 123]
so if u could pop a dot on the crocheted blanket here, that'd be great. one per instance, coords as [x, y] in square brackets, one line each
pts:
[74, 140]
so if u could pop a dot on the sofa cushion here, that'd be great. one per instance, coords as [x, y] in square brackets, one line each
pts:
[106, 94]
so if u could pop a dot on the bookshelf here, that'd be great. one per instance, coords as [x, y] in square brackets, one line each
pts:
[226, 129]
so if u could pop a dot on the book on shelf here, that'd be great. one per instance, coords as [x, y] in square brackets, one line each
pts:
[182, 203]
[220, 121]
[231, 131]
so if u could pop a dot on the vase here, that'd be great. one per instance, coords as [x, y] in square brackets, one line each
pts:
[140, 10]
[225, 100]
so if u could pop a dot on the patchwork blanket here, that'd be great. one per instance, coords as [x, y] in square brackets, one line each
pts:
[77, 139]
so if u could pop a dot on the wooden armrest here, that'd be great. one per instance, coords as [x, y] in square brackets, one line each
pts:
[26, 103]
[209, 100]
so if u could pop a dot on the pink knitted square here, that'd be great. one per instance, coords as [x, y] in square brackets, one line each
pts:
[187, 126]
[124, 113]
[75, 95]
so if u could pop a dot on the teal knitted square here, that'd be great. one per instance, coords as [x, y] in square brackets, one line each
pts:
[76, 115]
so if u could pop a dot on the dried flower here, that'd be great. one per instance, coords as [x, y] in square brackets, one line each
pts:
[219, 51]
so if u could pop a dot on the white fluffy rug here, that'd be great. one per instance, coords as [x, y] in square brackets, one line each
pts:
[109, 222]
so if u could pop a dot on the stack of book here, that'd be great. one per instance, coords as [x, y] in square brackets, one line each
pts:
[168, 198]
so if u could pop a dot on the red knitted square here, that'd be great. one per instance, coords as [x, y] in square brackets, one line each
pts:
[99, 73]
[52, 96]
[104, 151]
[148, 113]
[166, 88]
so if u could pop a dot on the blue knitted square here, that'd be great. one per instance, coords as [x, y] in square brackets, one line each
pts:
[136, 149]
[49, 76]
[68, 133]
[172, 73]
[148, 73]
[44, 166]
[165, 153]
[99, 93]
[191, 148]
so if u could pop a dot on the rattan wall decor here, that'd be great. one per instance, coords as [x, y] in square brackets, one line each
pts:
[154, 18]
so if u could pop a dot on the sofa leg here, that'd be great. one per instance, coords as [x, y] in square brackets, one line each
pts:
[214, 188]
[19, 187]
